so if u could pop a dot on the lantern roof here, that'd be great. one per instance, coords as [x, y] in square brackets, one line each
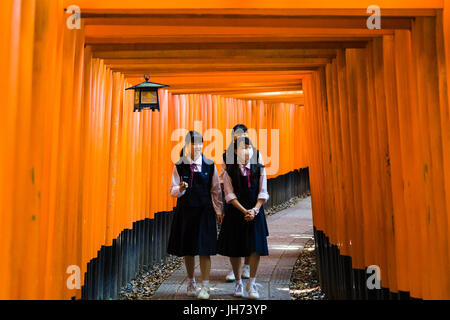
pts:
[148, 84]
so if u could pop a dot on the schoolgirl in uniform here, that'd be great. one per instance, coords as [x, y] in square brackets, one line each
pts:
[195, 182]
[239, 131]
[244, 228]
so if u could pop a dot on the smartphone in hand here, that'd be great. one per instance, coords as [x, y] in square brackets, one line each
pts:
[185, 181]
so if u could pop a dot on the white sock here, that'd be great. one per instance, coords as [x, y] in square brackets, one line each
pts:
[239, 282]
[205, 282]
[252, 281]
[246, 266]
[192, 280]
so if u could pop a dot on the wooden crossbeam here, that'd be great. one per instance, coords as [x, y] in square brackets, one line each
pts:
[334, 43]
[235, 20]
[186, 34]
[216, 54]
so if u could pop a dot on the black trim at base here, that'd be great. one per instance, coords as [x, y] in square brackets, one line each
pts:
[133, 251]
[340, 281]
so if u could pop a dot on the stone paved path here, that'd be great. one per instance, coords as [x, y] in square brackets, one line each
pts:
[289, 230]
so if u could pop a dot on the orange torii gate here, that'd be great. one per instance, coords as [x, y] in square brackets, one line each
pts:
[371, 123]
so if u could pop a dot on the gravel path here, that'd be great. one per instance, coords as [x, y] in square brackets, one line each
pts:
[146, 283]
[304, 279]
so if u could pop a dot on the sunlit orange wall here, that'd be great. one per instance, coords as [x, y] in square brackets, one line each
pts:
[380, 157]
[77, 166]
[41, 84]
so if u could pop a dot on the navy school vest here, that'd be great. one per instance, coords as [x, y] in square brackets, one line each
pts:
[199, 194]
[246, 196]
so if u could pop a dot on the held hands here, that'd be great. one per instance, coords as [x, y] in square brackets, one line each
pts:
[219, 218]
[249, 215]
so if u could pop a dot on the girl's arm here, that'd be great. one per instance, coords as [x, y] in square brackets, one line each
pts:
[223, 167]
[259, 205]
[263, 195]
[230, 197]
[216, 193]
[238, 206]
[176, 190]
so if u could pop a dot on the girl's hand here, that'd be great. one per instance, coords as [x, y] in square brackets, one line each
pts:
[219, 218]
[250, 215]
[183, 186]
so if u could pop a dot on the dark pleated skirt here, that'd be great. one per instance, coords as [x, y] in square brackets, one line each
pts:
[239, 238]
[193, 232]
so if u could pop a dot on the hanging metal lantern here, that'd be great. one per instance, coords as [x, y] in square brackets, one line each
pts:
[146, 95]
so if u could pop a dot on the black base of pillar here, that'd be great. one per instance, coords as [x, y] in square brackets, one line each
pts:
[340, 281]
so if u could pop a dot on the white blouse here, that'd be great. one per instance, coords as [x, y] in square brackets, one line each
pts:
[216, 190]
[228, 186]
